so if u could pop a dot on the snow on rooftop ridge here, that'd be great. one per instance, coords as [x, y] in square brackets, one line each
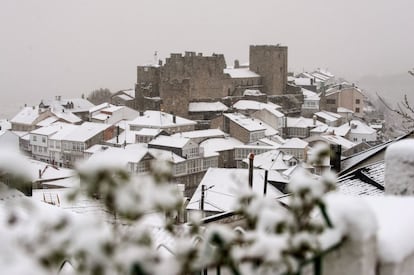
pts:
[27, 115]
[220, 144]
[252, 92]
[309, 95]
[86, 131]
[240, 73]
[294, 143]
[170, 141]
[207, 107]
[158, 119]
[250, 124]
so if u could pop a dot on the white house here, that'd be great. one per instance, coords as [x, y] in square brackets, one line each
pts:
[310, 102]
[358, 131]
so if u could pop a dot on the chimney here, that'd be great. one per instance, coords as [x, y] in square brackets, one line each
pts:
[335, 160]
[311, 81]
[314, 120]
[160, 62]
[399, 172]
[174, 119]
[236, 64]
[40, 174]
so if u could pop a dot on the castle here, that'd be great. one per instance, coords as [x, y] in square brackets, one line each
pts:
[192, 77]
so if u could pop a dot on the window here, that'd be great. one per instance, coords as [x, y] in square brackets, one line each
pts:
[143, 166]
[331, 101]
[44, 139]
[179, 168]
[357, 110]
[357, 101]
[34, 138]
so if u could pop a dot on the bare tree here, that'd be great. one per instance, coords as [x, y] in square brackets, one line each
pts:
[100, 96]
[403, 109]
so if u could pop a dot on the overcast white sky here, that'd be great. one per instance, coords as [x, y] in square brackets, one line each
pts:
[51, 47]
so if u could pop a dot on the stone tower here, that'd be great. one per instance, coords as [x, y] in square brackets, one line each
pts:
[270, 62]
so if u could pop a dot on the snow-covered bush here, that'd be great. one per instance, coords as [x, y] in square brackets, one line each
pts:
[275, 239]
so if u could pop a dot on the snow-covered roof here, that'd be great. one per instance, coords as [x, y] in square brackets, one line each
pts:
[157, 119]
[5, 124]
[100, 116]
[333, 139]
[47, 121]
[27, 115]
[48, 172]
[356, 127]
[320, 129]
[309, 95]
[240, 73]
[208, 133]
[207, 107]
[351, 161]
[86, 131]
[220, 144]
[270, 160]
[66, 115]
[79, 104]
[99, 107]
[250, 124]
[132, 153]
[328, 116]
[50, 129]
[302, 122]
[270, 142]
[222, 186]
[64, 130]
[170, 141]
[125, 97]
[165, 155]
[294, 143]
[252, 92]
[302, 81]
[368, 180]
[324, 72]
[248, 105]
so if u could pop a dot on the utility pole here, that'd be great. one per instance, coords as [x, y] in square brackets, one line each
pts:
[265, 183]
[251, 158]
[203, 189]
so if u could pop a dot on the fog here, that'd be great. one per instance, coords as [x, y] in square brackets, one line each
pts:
[71, 47]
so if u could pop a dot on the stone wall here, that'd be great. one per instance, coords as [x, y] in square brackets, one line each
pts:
[205, 74]
[271, 63]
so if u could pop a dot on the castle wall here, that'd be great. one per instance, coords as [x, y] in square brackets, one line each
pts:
[175, 96]
[205, 73]
[149, 77]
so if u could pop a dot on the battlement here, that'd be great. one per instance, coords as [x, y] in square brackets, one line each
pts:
[277, 47]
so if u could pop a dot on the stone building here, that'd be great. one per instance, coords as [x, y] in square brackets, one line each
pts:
[344, 95]
[270, 62]
[192, 77]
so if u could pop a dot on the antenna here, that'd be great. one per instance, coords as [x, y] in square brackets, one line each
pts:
[155, 57]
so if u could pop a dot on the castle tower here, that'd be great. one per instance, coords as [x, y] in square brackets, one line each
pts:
[270, 62]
